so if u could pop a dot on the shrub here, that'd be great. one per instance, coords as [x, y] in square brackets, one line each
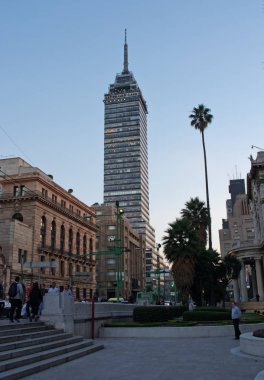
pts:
[206, 316]
[150, 314]
[210, 308]
[259, 333]
[175, 311]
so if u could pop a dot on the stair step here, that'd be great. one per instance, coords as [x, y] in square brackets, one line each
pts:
[43, 355]
[33, 348]
[14, 338]
[21, 325]
[37, 340]
[24, 330]
[26, 370]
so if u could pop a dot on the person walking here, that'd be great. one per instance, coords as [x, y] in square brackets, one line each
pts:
[16, 297]
[35, 299]
[53, 289]
[235, 315]
[68, 290]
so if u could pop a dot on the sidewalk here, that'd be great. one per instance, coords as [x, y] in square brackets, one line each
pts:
[159, 359]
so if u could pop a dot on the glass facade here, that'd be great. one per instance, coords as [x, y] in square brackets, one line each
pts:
[126, 150]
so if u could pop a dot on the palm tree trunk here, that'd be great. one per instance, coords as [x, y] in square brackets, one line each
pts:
[207, 196]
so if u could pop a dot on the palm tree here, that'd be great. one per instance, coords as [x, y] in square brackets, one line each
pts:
[201, 117]
[197, 214]
[181, 246]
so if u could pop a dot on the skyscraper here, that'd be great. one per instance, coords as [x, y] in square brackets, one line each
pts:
[126, 151]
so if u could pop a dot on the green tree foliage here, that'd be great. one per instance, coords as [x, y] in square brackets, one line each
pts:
[181, 247]
[196, 212]
[200, 118]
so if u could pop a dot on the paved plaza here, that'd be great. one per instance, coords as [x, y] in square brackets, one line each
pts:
[160, 359]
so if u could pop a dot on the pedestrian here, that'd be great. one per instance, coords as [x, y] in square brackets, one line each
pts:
[43, 291]
[68, 290]
[235, 315]
[1, 291]
[257, 297]
[53, 289]
[16, 297]
[35, 299]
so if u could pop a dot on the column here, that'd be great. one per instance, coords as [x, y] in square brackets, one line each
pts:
[259, 278]
[236, 290]
[254, 281]
[244, 296]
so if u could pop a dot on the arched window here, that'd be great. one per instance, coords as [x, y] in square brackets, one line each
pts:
[84, 245]
[62, 238]
[70, 241]
[43, 226]
[53, 234]
[78, 243]
[18, 216]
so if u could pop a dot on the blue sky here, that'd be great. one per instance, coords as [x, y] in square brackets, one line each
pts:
[58, 58]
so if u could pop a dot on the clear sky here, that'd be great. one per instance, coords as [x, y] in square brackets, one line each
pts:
[58, 57]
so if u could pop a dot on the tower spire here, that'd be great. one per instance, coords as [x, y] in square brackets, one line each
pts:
[125, 70]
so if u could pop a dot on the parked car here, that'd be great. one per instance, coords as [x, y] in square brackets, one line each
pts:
[114, 299]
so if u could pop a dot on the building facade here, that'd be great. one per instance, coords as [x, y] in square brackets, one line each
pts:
[120, 255]
[249, 248]
[238, 227]
[46, 234]
[126, 153]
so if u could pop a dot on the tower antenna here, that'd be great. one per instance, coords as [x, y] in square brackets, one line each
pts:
[125, 70]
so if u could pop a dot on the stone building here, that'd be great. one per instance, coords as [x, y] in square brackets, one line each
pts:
[46, 233]
[249, 248]
[120, 255]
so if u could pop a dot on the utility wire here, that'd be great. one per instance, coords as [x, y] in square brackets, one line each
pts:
[16, 145]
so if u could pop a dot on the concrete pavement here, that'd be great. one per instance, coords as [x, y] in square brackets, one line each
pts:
[160, 359]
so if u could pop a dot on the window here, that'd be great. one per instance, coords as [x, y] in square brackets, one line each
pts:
[70, 240]
[62, 238]
[53, 234]
[43, 225]
[91, 247]
[84, 294]
[54, 198]
[62, 269]
[71, 208]
[84, 245]
[22, 256]
[42, 259]
[18, 216]
[78, 243]
[63, 203]
[44, 193]
[78, 212]
[53, 269]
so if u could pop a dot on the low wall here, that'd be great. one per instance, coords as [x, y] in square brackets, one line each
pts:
[103, 312]
[174, 332]
[60, 311]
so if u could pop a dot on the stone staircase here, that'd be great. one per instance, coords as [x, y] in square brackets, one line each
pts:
[28, 348]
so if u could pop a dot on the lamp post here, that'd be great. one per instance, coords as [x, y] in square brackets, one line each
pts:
[158, 272]
[118, 249]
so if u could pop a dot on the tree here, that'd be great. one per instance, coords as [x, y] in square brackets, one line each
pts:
[197, 214]
[201, 117]
[181, 247]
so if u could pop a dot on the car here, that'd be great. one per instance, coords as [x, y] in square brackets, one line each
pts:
[114, 299]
